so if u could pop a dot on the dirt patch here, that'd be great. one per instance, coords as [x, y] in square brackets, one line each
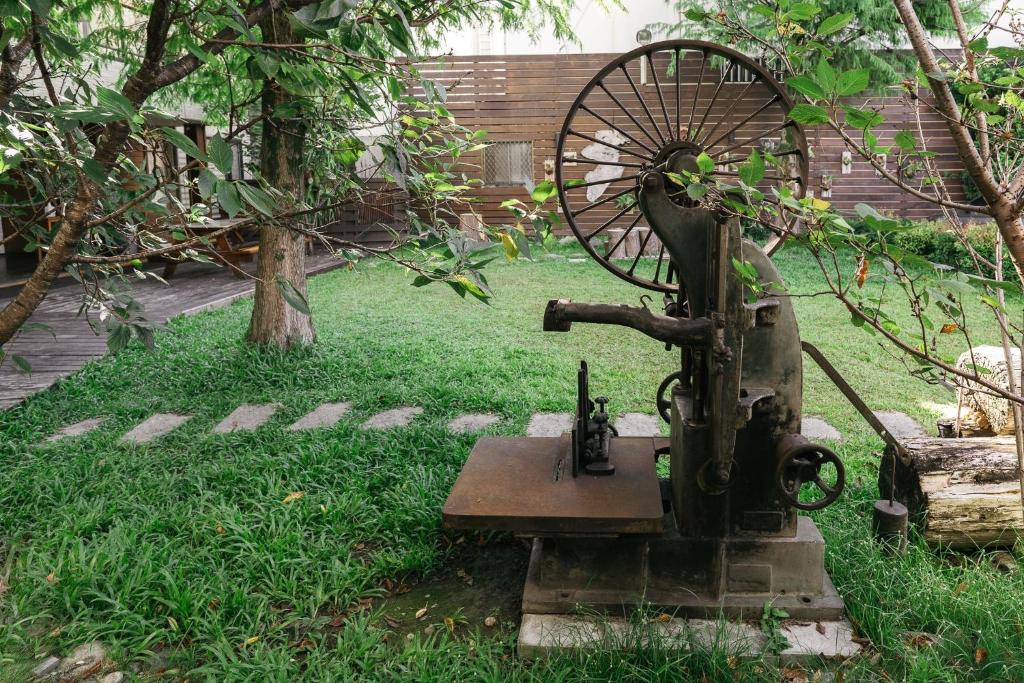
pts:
[480, 588]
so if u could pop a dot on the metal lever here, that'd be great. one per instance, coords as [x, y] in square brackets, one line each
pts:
[560, 314]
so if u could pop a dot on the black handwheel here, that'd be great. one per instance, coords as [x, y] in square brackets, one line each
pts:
[803, 465]
[665, 403]
[642, 109]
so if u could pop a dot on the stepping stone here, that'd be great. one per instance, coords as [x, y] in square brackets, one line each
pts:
[638, 424]
[326, 415]
[549, 424]
[815, 428]
[246, 417]
[396, 417]
[900, 424]
[77, 429]
[155, 427]
[472, 422]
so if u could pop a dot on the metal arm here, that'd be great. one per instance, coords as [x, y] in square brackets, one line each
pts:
[562, 313]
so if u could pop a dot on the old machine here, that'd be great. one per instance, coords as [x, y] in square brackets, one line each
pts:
[722, 534]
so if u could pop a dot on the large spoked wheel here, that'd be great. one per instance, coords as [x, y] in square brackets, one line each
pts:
[644, 110]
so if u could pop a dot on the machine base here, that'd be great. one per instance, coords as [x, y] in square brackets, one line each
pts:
[808, 642]
[691, 577]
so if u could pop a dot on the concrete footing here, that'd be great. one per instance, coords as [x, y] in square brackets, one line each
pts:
[808, 642]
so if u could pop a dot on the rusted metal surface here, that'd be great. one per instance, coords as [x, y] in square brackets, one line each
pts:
[526, 485]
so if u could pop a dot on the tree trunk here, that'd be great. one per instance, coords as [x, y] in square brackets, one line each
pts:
[282, 253]
[964, 493]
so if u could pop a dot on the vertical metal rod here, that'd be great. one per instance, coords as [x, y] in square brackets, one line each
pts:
[661, 96]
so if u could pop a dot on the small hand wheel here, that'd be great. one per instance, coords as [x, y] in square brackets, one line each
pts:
[665, 404]
[802, 465]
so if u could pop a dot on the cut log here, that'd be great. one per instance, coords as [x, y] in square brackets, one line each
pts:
[963, 493]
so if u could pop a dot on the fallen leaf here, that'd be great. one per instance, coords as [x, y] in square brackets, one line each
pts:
[323, 508]
[491, 622]
[213, 604]
[252, 639]
[732, 661]
[51, 577]
[450, 623]
[220, 529]
[961, 587]
[392, 623]
[305, 644]
[919, 639]
[980, 655]
[3, 586]
[663, 618]
[293, 496]
[862, 271]
[820, 628]
[338, 620]
[421, 612]
[949, 328]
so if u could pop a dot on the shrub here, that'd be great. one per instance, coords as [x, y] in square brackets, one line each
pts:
[936, 241]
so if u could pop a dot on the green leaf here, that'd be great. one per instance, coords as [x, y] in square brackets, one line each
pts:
[694, 14]
[825, 75]
[183, 143]
[862, 119]
[22, 364]
[696, 191]
[836, 22]
[808, 114]
[227, 197]
[705, 163]
[207, 183]
[905, 140]
[752, 171]
[543, 191]
[221, 154]
[114, 102]
[805, 85]
[852, 82]
[256, 198]
[979, 45]
[292, 296]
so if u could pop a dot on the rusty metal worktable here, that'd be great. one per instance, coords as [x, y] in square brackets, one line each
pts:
[526, 485]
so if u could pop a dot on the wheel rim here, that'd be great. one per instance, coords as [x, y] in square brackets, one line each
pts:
[622, 124]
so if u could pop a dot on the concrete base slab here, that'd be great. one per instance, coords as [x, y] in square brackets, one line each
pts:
[77, 429]
[246, 417]
[472, 422]
[549, 424]
[900, 424]
[154, 427]
[396, 417]
[815, 428]
[638, 424]
[321, 417]
[809, 642]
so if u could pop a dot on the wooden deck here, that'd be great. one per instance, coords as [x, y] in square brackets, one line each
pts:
[195, 288]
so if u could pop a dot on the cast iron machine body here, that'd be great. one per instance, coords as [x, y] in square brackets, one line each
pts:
[723, 534]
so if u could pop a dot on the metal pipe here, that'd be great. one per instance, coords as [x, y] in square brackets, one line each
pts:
[561, 313]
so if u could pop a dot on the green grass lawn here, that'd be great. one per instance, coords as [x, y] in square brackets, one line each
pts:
[183, 550]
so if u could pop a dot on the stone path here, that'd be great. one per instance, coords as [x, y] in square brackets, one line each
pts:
[396, 417]
[472, 422]
[549, 424]
[638, 424]
[155, 427]
[815, 428]
[77, 429]
[246, 418]
[321, 417]
[900, 424]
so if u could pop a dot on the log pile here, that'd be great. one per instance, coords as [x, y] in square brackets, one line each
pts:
[963, 493]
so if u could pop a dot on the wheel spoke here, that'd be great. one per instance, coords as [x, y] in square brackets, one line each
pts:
[743, 122]
[755, 138]
[640, 251]
[679, 120]
[611, 181]
[661, 96]
[829, 490]
[611, 220]
[696, 94]
[610, 198]
[734, 174]
[609, 144]
[584, 160]
[739, 98]
[628, 113]
[711, 105]
[625, 234]
[733, 160]
[614, 127]
[643, 103]
[661, 255]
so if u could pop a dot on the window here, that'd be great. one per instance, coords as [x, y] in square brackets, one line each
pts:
[508, 163]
